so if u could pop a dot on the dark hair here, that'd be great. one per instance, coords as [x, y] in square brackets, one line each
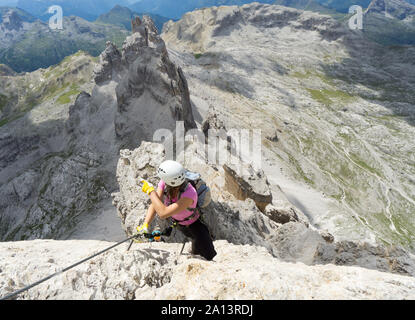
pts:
[171, 191]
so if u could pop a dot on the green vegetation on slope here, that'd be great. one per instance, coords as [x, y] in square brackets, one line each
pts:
[328, 97]
[23, 15]
[57, 85]
[66, 97]
[34, 52]
[41, 48]
[3, 101]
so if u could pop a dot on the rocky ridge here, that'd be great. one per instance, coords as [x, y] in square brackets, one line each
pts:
[336, 118]
[393, 8]
[138, 87]
[282, 228]
[27, 44]
[258, 257]
[260, 234]
[157, 272]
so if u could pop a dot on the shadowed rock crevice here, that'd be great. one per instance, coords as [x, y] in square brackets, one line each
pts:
[256, 188]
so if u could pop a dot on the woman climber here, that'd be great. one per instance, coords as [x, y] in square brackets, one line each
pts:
[176, 198]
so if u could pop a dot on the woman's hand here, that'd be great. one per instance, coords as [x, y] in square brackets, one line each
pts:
[147, 187]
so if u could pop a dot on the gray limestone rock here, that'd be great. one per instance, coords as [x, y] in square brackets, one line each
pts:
[137, 91]
[282, 229]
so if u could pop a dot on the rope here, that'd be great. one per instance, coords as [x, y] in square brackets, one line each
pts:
[149, 236]
[12, 295]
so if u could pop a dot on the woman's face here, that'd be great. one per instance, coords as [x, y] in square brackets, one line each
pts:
[174, 190]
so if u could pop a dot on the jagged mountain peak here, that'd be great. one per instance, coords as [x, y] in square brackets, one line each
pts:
[146, 50]
[399, 9]
[12, 20]
[136, 90]
[199, 28]
[337, 128]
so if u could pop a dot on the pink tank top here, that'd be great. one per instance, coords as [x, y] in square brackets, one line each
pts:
[190, 193]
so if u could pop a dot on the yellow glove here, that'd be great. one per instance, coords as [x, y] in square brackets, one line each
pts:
[143, 228]
[147, 187]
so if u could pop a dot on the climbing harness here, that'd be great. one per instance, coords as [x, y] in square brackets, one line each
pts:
[146, 237]
[155, 236]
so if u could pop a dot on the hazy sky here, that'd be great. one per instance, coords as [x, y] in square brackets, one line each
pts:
[8, 2]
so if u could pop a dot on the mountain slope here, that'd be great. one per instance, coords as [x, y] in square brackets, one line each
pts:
[20, 93]
[23, 15]
[58, 160]
[343, 5]
[156, 272]
[336, 110]
[27, 46]
[390, 22]
[174, 9]
[86, 9]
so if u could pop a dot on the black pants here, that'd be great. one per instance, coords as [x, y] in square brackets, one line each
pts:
[202, 243]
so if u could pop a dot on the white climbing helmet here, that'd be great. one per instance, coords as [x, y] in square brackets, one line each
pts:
[172, 173]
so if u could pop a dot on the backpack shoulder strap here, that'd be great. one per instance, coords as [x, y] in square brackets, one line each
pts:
[183, 190]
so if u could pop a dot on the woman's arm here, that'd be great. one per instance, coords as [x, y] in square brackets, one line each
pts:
[151, 212]
[165, 212]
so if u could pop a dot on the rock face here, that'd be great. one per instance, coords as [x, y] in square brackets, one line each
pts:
[147, 79]
[12, 21]
[136, 91]
[270, 244]
[227, 217]
[281, 216]
[257, 188]
[335, 134]
[393, 8]
[34, 148]
[282, 229]
[6, 70]
[156, 271]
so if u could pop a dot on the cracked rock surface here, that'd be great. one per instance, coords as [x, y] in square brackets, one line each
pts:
[157, 272]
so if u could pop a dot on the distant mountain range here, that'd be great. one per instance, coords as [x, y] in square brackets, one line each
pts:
[92, 9]
[121, 16]
[175, 9]
[389, 22]
[343, 5]
[23, 15]
[86, 9]
[26, 43]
